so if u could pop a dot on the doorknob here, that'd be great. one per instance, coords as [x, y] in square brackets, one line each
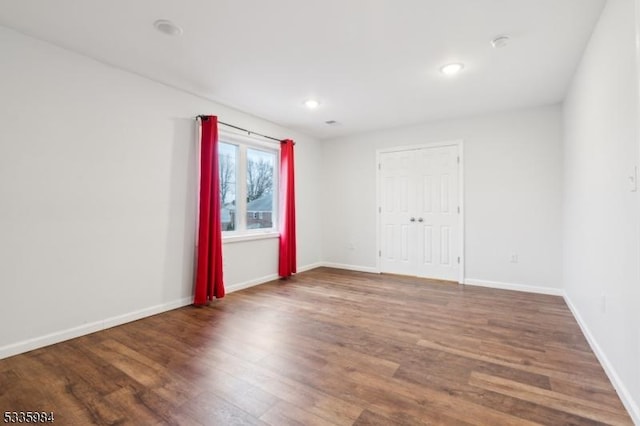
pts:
[421, 220]
[413, 219]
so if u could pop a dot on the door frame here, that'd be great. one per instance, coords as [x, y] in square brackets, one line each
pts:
[459, 143]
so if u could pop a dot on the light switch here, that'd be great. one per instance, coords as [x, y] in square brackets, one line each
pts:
[633, 180]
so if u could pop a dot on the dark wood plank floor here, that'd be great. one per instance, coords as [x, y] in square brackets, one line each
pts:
[328, 347]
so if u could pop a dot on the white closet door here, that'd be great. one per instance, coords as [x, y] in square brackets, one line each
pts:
[437, 213]
[398, 200]
[419, 212]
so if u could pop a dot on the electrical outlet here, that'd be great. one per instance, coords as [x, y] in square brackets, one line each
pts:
[633, 180]
[514, 258]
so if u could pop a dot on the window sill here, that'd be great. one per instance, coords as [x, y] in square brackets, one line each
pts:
[249, 237]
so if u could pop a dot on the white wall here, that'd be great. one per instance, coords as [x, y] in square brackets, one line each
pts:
[98, 198]
[512, 194]
[601, 215]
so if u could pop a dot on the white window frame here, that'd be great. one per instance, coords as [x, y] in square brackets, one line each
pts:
[244, 142]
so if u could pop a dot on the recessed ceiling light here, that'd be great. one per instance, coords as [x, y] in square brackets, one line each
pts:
[500, 41]
[311, 104]
[167, 27]
[451, 69]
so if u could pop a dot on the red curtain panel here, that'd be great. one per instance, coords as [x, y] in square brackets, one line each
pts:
[209, 283]
[287, 264]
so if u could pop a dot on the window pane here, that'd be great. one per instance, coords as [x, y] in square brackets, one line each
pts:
[228, 159]
[260, 172]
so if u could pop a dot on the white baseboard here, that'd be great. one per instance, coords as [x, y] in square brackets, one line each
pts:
[357, 268]
[517, 287]
[60, 336]
[310, 267]
[246, 284]
[474, 282]
[147, 312]
[623, 392]
[267, 278]
[373, 270]
[82, 330]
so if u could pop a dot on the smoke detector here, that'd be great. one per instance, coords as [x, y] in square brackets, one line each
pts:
[167, 27]
[500, 41]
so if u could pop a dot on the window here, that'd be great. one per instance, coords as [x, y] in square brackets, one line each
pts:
[248, 185]
[227, 160]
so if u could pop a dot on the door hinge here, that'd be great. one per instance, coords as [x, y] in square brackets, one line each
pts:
[458, 209]
[379, 209]
[458, 159]
[379, 253]
[379, 166]
[458, 259]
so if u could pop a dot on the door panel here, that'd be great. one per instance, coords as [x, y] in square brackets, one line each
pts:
[397, 201]
[427, 191]
[445, 253]
[428, 244]
[387, 242]
[404, 243]
[444, 194]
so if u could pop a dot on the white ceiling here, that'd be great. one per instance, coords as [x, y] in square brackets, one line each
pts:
[371, 63]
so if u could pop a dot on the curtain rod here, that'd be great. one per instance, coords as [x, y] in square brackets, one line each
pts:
[249, 132]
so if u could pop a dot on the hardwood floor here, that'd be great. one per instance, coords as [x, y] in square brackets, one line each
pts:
[328, 347]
